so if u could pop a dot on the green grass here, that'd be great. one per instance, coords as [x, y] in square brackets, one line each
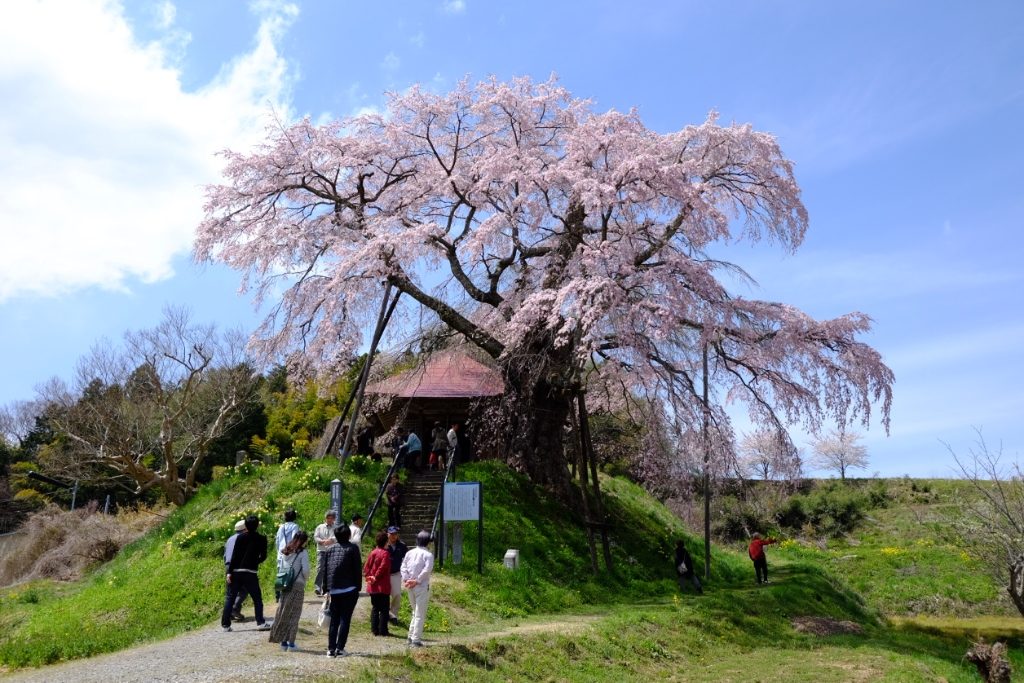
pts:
[737, 633]
[172, 579]
[904, 560]
[635, 625]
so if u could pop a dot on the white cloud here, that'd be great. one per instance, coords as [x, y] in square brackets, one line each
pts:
[105, 154]
[454, 6]
[391, 62]
[165, 13]
[419, 40]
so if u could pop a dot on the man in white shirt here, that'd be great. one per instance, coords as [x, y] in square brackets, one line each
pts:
[417, 566]
[324, 538]
[356, 529]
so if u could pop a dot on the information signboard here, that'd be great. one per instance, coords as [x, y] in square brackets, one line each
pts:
[462, 501]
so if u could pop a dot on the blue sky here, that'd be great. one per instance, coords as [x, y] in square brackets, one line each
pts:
[903, 119]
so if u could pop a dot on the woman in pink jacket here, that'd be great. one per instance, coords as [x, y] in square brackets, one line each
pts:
[377, 571]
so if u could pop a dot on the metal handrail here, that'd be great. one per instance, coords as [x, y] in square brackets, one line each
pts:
[380, 494]
[448, 470]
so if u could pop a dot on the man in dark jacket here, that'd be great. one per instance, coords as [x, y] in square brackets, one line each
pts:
[685, 569]
[249, 552]
[397, 550]
[343, 578]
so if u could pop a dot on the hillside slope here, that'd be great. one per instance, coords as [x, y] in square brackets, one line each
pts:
[629, 625]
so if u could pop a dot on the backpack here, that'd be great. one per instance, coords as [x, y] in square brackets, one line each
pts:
[285, 574]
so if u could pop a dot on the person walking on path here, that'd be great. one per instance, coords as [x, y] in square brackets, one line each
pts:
[355, 529]
[229, 547]
[289, 609]
[377, 571]
[342, 580]
[397, 550]
[417, 567]
[756, 552]
[685, 568]
[323, 536]
[394, 493]
[249, 552]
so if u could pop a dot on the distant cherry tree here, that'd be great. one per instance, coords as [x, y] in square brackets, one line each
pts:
[769, 454]
[565, 243]
[840, 451]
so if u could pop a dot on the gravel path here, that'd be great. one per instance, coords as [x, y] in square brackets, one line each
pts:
[245, 655]
[209, 654]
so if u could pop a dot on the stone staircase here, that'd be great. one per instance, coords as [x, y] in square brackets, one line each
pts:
[422, 494]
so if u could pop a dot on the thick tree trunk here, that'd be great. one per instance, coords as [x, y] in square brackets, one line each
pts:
[1016, 587]
[537, 402]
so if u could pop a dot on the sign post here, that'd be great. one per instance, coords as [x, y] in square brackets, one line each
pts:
[336, 487]
[463, 501]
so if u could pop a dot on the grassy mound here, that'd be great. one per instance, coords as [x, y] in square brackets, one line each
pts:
[630, 624]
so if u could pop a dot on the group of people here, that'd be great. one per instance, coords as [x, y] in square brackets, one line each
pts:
[687, 572]
[390, 567]
[444, 448]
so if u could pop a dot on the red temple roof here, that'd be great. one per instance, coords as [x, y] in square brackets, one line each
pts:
[444, 375]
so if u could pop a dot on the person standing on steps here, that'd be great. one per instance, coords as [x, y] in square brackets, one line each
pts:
[413, 453]
[756, 552]
[397, 550]
[377, 571]
[289, 609]
[356, 529]
[323, 536]
[453, 443]
[417, 567]
[438, 447]
[685, 569]
[285, 533]
[343, 579]
[246, 557]
[229, 547]
[395, 493]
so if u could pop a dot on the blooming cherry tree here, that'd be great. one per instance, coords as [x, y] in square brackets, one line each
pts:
[840, 451]
[572, 246]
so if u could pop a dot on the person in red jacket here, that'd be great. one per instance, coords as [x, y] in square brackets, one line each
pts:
[377, 571]
[756, 552]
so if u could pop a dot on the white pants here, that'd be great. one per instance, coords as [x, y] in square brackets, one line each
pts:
[396, 594]
[418, 600]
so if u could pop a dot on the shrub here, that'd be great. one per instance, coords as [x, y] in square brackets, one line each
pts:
[738, 519]
[61, 544]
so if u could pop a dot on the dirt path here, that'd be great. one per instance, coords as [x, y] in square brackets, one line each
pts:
[208, 654]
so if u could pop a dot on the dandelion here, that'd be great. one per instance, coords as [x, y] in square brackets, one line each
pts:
[892, 551]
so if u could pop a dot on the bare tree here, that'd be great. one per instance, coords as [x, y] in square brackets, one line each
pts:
[146, 413]
[840, 451]
[992, 523]
[17, 419]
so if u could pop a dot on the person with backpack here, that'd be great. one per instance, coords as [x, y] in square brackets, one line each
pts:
[292, 572]
[343, 577]
[756, 552]
[285, 533]
[242, 573]
[685, 568]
